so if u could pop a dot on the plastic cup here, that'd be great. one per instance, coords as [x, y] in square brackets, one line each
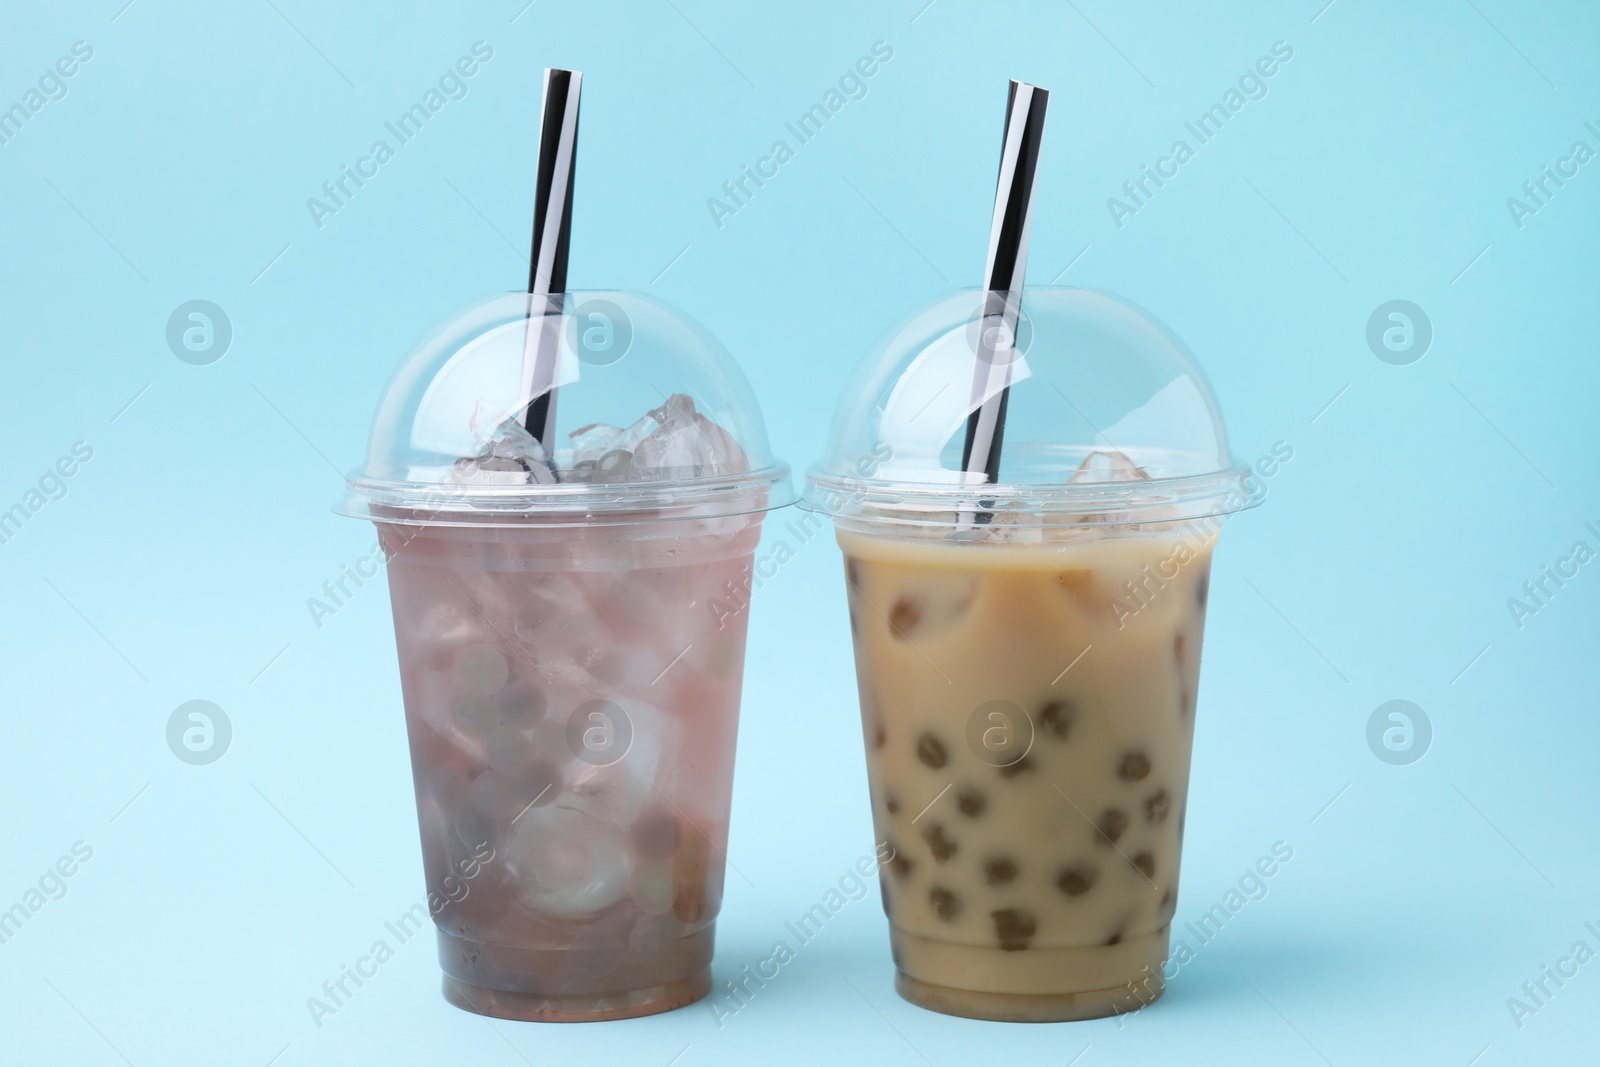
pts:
[1028, 651]
[571, 648]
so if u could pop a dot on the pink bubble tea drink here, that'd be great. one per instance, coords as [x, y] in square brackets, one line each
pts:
[570, 626]
[569, 488]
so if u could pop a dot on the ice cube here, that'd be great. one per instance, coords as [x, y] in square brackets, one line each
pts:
[654, 934]
[1007, 522]
[449, 624]
[563, 634]
[652, 888]
[508, 456]
[632, 664]
[566, 864]
[578, 472]
[615, 792]
[1100, 467]
[555, 599]
[645, 425]
[600, 452]
[1108, 466]
[612, 468]
[591, 442]
[685, 444]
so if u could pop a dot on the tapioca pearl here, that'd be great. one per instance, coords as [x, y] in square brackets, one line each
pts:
[1056, 717]
[481, 669]
[1202, 587]
[1166, 898]
[1135, 766]
[939, 842]
[655, 835]
[888, 903]
[509, 751]
[931, 751]
[520, 704]
[1157, 806]
[1077, 879]
[1020, 766]
[1177, 649]
[899, 864]
[537, 784]
[550, 737]
[1144, 863]
[999, 870]
[1110, 827]
[904, 616]
[946, 905]
[891, 804]
[971, 801]
[474, 714]
[473, 828]
[1013, 928]
[1114, 939]
[852, 573]
[496, 796]
[880, 736]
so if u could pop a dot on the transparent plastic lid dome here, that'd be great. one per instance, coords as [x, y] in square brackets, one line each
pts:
[1108, 420]
[652, 420]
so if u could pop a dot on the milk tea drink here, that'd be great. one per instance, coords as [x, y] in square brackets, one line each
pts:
[1027, 643]
[1028, 723]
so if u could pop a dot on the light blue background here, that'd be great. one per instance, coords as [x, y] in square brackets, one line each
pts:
[179, 562]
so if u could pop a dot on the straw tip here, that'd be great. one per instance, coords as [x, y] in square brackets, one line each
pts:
[1022, 86]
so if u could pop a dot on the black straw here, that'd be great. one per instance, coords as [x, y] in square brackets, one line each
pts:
[552, 230]
[1003, 280]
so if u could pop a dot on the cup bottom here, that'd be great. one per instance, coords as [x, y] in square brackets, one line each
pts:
[1039, 985]
[545, 1008]
[561, 986]
[1025, 1007]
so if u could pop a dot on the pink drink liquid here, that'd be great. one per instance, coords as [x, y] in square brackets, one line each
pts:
[572, 700]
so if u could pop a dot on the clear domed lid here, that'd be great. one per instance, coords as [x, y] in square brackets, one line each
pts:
[1108, 419]
[652, 420]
